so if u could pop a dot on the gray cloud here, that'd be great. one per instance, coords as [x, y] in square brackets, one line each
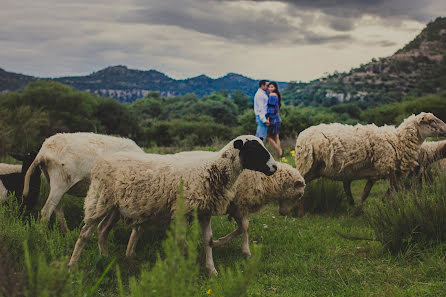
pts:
[240, 24]
[408, 9]
[191, 37]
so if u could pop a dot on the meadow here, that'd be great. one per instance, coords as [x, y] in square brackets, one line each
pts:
[328, 252]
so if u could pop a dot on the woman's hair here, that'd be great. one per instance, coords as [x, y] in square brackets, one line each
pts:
[277, 91]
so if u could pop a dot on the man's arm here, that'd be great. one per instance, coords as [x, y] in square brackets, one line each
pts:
[260, 107]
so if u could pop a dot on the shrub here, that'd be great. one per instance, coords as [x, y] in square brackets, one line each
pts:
[412, 218]
[324, 196]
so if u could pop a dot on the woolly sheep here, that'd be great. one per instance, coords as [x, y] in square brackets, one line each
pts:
[7, 169]
[12, 182]
[143, 188]
[254, 190]
[347, 153]
[430, 152]
[66, 160]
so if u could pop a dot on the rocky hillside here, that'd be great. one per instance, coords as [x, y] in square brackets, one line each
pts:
[418, 68]
[127, 85]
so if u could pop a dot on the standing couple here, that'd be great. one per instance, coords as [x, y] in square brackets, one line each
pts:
[267, 103]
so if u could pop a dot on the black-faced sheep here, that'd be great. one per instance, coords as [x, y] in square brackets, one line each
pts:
[143, 188]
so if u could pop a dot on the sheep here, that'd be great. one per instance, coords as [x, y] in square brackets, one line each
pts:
[66, 160]
[6, 169]
[143, 188]
[13, 181]
[430, 152]
[254, 190]
[347, 153]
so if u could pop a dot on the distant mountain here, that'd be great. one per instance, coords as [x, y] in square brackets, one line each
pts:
[416, 69]
[127, 85]
[10, 81]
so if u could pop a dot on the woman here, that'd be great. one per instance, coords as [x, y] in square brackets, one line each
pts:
[272, 114]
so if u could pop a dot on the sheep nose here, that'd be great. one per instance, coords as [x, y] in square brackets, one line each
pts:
[275, 167]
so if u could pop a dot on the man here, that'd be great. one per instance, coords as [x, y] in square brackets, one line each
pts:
[260, 102]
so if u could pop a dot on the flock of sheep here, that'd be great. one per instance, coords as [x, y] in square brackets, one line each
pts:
[121, 181]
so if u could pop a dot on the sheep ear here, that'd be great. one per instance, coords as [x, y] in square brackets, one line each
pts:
[17, 156]
[238, 144]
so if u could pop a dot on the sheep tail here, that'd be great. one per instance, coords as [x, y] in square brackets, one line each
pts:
[29, 172]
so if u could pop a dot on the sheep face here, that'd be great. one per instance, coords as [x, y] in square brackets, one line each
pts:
[291, 197]
[430, 126]
[254, 156]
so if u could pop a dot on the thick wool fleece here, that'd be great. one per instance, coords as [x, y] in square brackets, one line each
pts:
[345, 152]
[254, 190]
[145, 187]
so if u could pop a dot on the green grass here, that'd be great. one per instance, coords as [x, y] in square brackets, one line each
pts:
[299, 256]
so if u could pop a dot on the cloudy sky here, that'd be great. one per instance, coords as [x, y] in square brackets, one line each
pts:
[280, 39]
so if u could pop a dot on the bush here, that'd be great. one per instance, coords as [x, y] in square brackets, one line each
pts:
[411, 218]
[324, 196]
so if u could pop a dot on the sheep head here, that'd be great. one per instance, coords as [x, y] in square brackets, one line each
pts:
[430, 126]
[254, 155]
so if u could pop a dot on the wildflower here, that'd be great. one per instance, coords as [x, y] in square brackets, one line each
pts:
[293, 152]
[284, 160]
[265, 226]
[209, 292]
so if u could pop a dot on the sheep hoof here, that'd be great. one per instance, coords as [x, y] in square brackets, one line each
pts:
[212, 271]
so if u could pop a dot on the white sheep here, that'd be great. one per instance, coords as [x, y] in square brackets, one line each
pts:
[7, 169]
[430, 152]
[66, 160]
[12, 178]
[254, 190]
[347, 153]
[143, 188]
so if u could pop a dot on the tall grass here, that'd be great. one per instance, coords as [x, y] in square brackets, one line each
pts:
[411, 218]
[34, 262]
[324, 196]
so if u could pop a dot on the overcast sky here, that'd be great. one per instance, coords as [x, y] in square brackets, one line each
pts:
[280, 40]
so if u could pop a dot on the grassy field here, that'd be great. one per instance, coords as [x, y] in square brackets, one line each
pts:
[299, 256]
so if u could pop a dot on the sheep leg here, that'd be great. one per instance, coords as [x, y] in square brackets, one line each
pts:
[134, 237]
[365, 194]
[104, 228]
[300, 207]
[227, 238]
[348, 192]
[61, 218]
[245, 240]
[85, 234]
[205, 222]
[57, 189]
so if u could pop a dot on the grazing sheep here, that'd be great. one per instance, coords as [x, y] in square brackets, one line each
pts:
[254, 190]
[66, 160]
[13, 182]
[347, 153]
[143, 188]
[430, 152]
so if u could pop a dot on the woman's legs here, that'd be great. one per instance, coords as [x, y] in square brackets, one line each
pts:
[278, 144]
[274, 144]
